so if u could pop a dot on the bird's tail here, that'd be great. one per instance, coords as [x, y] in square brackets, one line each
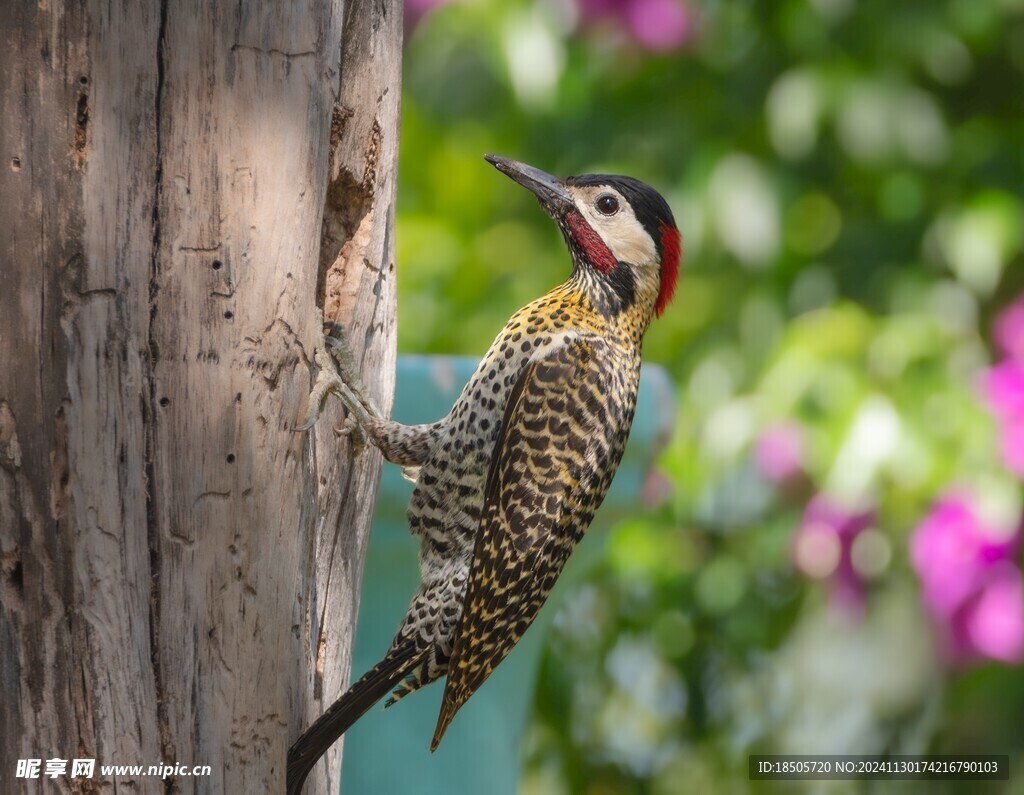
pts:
[314, 742]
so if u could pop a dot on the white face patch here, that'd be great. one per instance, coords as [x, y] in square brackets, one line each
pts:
[624, 235]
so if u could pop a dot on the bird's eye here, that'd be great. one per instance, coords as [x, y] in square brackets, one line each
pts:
[608, 204]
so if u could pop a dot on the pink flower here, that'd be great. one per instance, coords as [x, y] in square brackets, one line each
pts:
[969, 582]
[1003, 386]
[991, 622]
[657, 25]
[951, 549]
[822, 549]
[780, 452]
[1009, 331]
[1003, 389]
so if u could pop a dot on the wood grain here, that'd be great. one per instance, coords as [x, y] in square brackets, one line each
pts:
[181, 183]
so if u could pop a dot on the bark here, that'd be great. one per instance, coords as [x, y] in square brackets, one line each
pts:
[181, 184]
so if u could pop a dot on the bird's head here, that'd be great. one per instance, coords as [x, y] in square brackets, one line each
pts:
[618, 228]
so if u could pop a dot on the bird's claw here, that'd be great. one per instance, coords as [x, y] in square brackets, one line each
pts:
[336, 374]
[349, 428]
[354, 433]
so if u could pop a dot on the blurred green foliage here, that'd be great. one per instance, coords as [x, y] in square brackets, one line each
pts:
[847, 177]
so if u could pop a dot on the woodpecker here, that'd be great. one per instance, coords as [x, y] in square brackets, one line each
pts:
[509, 481]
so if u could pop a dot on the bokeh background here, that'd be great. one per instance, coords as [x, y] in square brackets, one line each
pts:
[829, 560]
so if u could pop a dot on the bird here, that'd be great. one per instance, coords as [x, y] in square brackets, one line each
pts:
[509, 481]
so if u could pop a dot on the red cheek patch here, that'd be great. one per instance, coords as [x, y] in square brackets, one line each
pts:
[584, 236]
[671, 251]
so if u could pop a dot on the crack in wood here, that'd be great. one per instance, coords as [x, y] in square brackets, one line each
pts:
[60, 472]
[286, 54]
[149, 418]
[74, 288]
[211, 495]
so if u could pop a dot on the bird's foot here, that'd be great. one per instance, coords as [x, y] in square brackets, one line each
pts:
[336, 374]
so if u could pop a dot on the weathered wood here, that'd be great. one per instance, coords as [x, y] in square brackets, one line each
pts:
[180, 184]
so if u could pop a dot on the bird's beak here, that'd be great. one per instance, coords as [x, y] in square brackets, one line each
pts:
[549, 190]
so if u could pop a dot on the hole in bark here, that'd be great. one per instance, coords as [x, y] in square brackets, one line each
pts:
[84, 80]
[217, 265]
[13, 572]
[81, 124]
[229, 314]
[231, 458]
[348, 201]
[165, 401]
[15, 164]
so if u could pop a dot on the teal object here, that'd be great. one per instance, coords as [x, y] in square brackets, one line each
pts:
[388, 751]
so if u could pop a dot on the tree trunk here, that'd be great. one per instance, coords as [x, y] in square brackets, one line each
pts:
[181, 184]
